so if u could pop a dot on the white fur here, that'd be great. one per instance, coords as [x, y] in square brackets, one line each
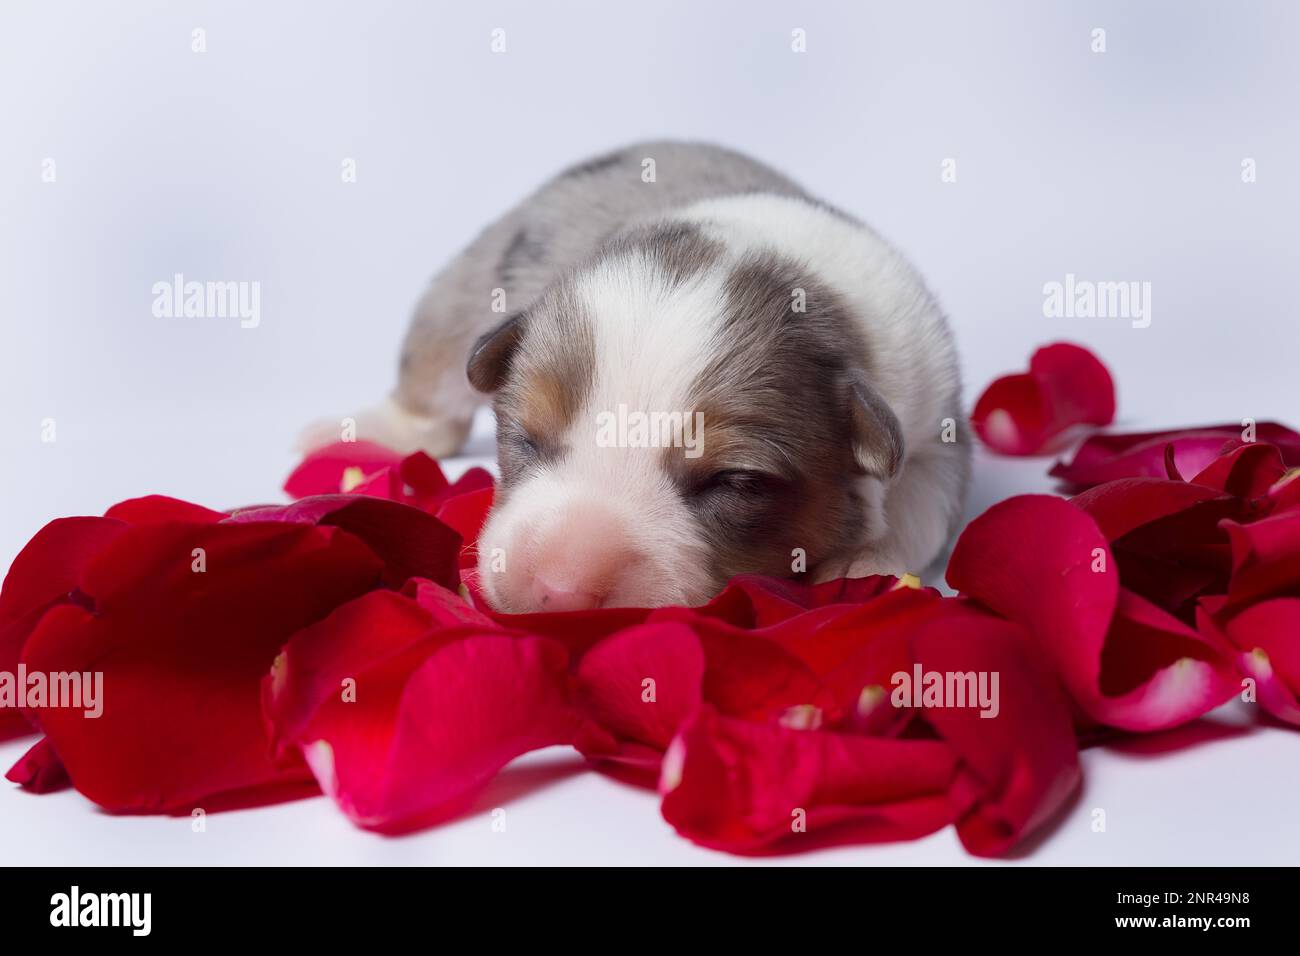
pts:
[650, 345]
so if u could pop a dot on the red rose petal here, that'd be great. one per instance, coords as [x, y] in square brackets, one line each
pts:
[747, 675]
[1285, 492]
[322, 472]
[1066, 385]
[1019, 762]
[159, 509]
[51, 564]
[743, 787]
[45, 573]
[1032, 560]
[420, 740]
[1246, 471]
[471, 481]
[1274, 693]
[466, 514]
[311, 670]
[446, 609]
[1268, 637]
[755, 601]
[579, 631]
[183, 653]
[692, 659]
[1165, 537]
[1122, 506]
[39, 770]
[1265, 558]
[1142, 454]
[386, 483]
[412, 543]
[1157, 672]
[417, 481]
[370, 470]
[855, 650]
[423, 476]
[612, 685]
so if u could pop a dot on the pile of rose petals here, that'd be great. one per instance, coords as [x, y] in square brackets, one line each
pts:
[341, 639]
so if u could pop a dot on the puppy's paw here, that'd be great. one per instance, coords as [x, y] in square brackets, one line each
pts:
[864, 565]
[319, 434]
[389, 425]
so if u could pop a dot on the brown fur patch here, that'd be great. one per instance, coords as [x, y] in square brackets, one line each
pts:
[548, 379]
[776, 401]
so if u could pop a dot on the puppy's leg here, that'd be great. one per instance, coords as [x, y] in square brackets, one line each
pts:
[433, 401]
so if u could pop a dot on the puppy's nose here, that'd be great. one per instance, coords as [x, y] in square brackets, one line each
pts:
[581, 560]
[551, 597]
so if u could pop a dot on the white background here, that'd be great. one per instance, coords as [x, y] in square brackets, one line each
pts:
[226, 166]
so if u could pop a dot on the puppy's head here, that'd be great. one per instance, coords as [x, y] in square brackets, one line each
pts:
[669, 416]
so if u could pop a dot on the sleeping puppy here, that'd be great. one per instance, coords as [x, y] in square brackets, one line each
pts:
[697, 371]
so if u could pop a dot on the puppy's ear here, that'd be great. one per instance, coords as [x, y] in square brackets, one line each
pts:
[489, 359]
[877, 436]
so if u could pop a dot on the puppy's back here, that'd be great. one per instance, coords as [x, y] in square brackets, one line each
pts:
[567, 219]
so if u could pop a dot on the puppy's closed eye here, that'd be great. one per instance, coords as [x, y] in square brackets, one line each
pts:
[520, 451]
[524, 444]
[744, 482]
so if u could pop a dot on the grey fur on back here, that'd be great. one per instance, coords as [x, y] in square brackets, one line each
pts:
[560, 225]
[566, 220]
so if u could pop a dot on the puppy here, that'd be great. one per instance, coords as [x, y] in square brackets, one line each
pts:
[697, 371]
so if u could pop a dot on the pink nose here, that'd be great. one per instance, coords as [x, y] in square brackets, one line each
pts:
[548, 597]
[583, 559]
